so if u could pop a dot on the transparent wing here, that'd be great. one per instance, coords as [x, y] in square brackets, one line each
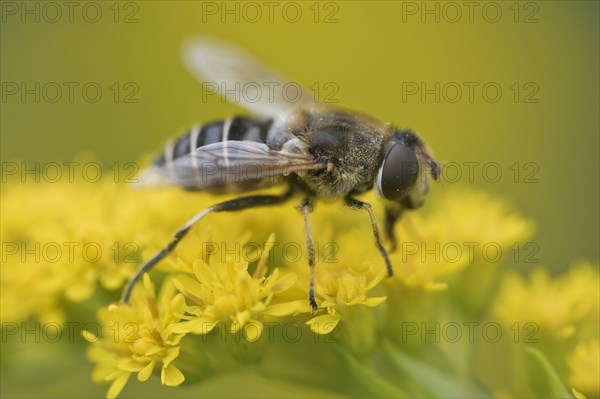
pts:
[228, 163]
[239, 77]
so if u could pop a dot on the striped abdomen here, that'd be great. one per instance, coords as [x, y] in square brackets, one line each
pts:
[237, 128]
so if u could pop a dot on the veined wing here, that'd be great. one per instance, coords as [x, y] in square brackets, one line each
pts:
[228, 163]
[240, 78]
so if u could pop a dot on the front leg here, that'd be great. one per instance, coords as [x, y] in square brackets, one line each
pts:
[365, 206]
[391, 216]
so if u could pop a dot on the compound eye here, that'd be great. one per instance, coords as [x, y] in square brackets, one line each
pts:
[398, 172]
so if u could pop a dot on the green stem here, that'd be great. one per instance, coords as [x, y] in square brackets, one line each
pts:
[430, 379]
[368, 379]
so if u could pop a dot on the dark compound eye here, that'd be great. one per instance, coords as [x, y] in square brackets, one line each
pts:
[398, 172]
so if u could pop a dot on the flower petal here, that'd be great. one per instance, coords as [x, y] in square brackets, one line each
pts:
[171, 354]
[323, 324]
[171, 376]
[117, 385]
[372, 302]
[200, 326]
[288, 308]
[253, 330]
[146, 372]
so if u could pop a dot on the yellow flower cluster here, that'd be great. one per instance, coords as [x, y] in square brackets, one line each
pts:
[463, 227]
[57, 245]
[559, 306]
[224, 291]
[62, 241]
[343, 285]
[236, 280]
[229, 296]
[138, 337]
[584, 368]
[566, 309]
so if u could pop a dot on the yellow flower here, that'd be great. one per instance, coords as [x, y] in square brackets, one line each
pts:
[63, 240]
[137, 337]
[466, 215]
[462, 226]
[342, 285]
[584, 368]
[223, 285]
[226, 294]
[558, 306]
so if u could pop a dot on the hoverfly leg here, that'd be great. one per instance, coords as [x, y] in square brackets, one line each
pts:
[163, 252]
[237, 204]
[356, 204]
[306, 208]
[391, 216]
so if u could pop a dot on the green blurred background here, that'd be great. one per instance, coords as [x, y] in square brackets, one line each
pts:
[543, 55]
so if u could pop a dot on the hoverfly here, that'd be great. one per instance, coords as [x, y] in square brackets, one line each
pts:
[316, 151]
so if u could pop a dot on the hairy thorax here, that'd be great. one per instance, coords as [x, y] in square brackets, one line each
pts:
[351, 148]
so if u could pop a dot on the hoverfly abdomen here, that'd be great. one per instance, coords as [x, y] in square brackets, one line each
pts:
[252, 128]
[237, 128]
[222, 156]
